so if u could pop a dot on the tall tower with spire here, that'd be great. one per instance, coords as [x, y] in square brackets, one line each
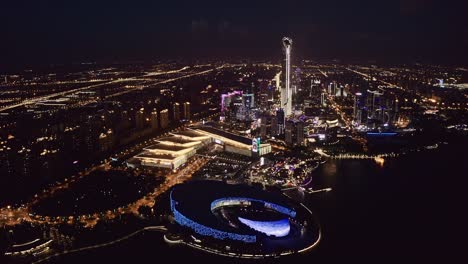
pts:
[286, 93]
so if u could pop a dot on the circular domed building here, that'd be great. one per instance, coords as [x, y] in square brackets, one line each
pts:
[241, 221]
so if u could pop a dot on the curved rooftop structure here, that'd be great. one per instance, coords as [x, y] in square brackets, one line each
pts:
[269, 221]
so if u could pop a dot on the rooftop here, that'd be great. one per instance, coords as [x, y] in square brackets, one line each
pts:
[154, 156]
[162, 146]
[227, 135]
[176, 139]
[206, 192]
[189, 133]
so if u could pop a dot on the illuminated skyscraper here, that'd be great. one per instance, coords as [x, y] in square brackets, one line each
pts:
[395, 111]
[154, 120]
[248, 100]
[286, 95]
[333, 88]
[263, 127]
[176, 111]
[227, 98]
[280, 121]
[274, 126]
[357, 103]
[288, 132]
[164, 115]
[323, 100]
[140, 119]
[187, 110]
[311, 88]
[340, 91]
[277, 80]
[373, 103]
[357, 108]
[106, 140]
[6, 156]
[300, 133]
[263, 95]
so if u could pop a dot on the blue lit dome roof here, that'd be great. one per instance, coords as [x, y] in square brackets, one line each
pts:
[224, 211]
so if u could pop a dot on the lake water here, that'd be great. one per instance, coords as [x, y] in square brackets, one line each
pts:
[409, 209]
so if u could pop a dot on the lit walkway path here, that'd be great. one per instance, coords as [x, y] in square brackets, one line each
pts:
[148, 228]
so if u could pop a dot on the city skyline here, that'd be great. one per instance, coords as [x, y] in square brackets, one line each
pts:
[293, 132]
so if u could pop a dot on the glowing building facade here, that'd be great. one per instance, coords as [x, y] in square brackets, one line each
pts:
[278, 228]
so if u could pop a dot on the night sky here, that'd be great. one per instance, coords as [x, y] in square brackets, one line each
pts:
[42, 32]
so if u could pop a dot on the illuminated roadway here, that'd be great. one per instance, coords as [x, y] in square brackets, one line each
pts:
[45, 97]
[422, 99]
[110, 243]
[10, 216]
[347, 122]
[323, 73]
[171, 80]
[368, 76]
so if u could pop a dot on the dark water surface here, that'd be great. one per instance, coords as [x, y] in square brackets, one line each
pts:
[409, 210]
